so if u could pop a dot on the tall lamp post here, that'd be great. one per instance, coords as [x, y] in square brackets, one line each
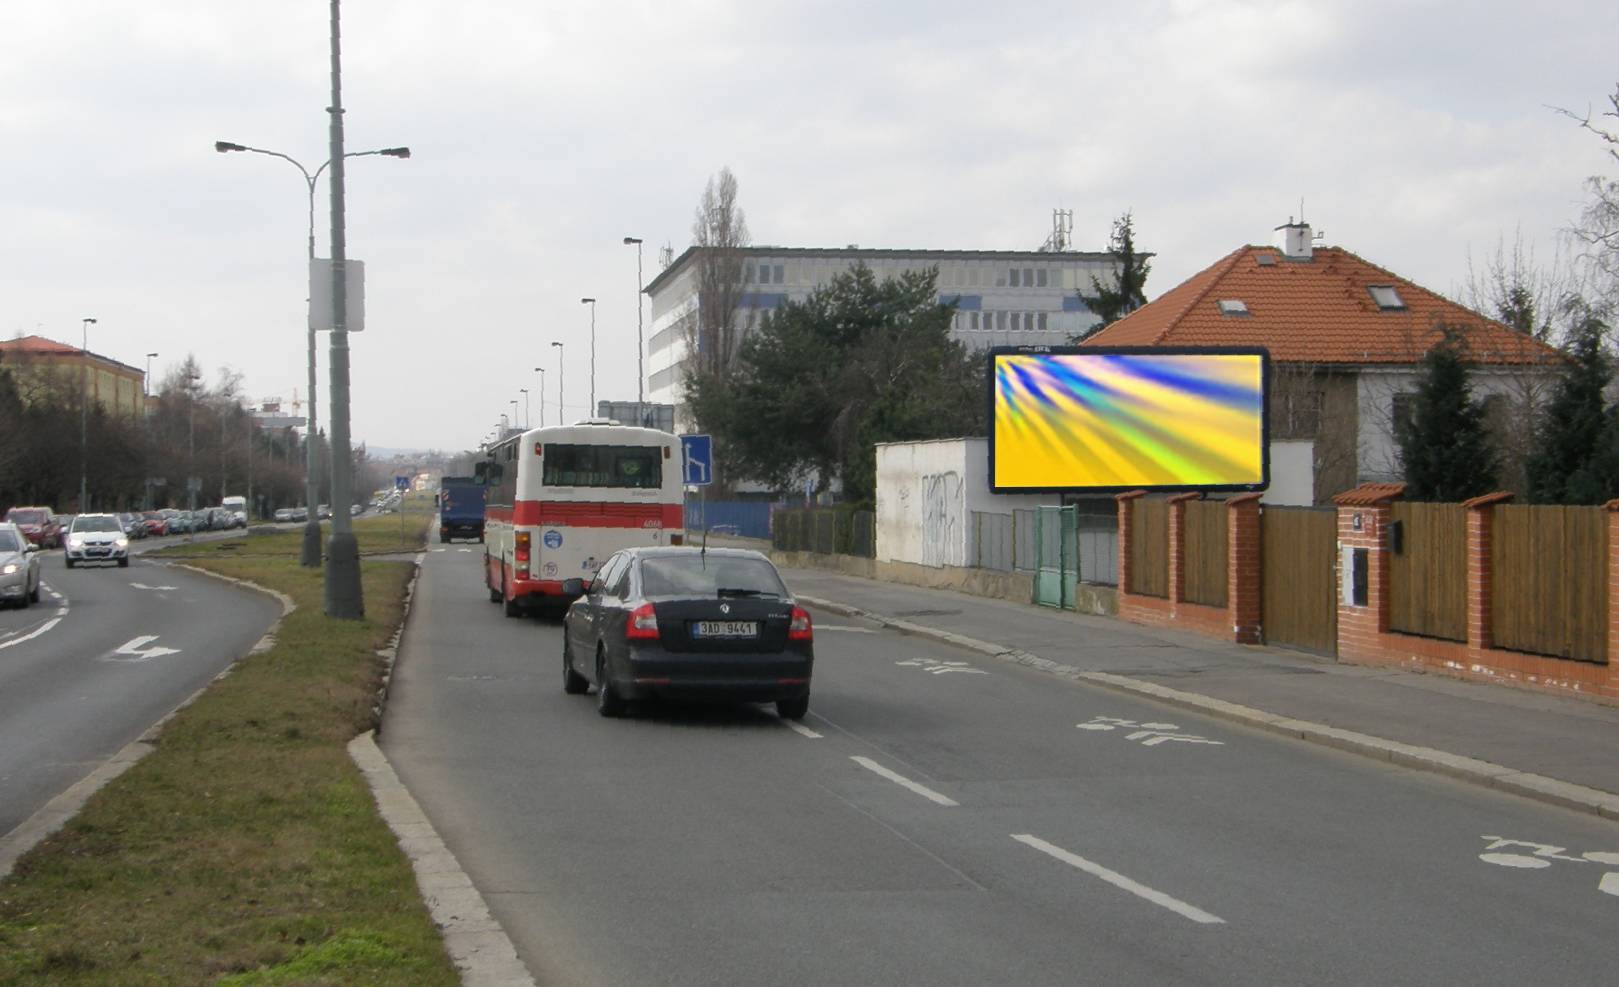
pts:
[84, 414]
[592, 303]
[640, 368]
[191, 454]
[541, 372]
[527, 421]
[310, 556]
[513, 403]
[147, 381]
[562, 416]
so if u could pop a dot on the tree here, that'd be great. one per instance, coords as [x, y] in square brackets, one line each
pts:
[1113, 302]
[1561, 469]
[1598, 226]
[859, 361]
[713, 331]
[1444, 445]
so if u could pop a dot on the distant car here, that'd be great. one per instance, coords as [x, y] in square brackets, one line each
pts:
[133, 526]
[221, 519]
[19, 566]
[686, 622]
[283, 514]
[300, 513]
[96, 538]
[325, 511]
[354, 510]
[38, 525]
[155, 522]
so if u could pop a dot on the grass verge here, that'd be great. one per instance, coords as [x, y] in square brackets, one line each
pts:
[245, 849]
[388, 533]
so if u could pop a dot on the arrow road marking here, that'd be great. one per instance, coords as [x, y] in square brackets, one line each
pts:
[158, 588]
[133, 650]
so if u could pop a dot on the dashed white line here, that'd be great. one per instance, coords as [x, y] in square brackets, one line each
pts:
[846, 629]
[902, 781]
[1120, 881]
[802, 730]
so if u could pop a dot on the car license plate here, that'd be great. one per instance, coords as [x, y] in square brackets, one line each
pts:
[725, 628]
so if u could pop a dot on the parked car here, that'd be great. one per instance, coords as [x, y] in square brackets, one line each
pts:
[325, 511]
[133, 526]
[38, 525]
[674, 622]
[283, 514]
[96, 538]
[19, 566]
[179, 522]
[221, 519]
[155, 522]
[300, 513]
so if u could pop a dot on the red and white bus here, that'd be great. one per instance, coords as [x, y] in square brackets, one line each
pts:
[560, 500]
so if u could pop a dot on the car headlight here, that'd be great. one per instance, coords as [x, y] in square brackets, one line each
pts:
[121, 542]
[10, 568]
[75, 541]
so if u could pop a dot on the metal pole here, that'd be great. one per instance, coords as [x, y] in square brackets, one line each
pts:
[592, 303]
[527, 420]
[541, 372]
[84, 415]
[191, 459]
[640, 343]
[344, 599]
[309, 555]
[562, 417]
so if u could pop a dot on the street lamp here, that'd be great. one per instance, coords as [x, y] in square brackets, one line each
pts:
[526, 419]
[310, 555]
[84, 413]
[562, 418]
[148, 380]
[541, 372]
[191, 453]
[640, 369]
[592, 303]
[513, 403]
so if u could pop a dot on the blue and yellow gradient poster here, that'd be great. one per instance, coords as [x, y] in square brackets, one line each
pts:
[1100, 420]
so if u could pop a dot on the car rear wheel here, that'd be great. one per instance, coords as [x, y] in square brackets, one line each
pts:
[608, 702]
[793, 709]
[573, 683]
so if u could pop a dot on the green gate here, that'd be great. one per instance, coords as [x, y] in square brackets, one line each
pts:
[1056, 552]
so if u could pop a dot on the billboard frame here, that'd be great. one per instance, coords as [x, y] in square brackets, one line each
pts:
[993, 353]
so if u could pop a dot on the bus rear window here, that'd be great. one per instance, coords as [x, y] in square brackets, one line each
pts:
[602, 466]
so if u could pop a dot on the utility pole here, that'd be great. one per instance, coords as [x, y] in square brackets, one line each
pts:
[84, 415]
[344, 598]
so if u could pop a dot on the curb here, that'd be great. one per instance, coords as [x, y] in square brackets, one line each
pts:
[390, 653]
[1538, 787]
[478, 945]
[53, 815]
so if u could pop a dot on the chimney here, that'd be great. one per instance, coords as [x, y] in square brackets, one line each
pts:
[1294, 240]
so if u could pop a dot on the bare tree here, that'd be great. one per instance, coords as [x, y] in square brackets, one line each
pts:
[720, 232]
[1598, 227]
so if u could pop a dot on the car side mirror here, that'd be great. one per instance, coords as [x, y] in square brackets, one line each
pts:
[29, 546]
[573, 587]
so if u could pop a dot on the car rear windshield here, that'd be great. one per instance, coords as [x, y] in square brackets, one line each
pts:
[8, 542]
[96, 524]
[602, 466]
[709, 575]
[25, 516]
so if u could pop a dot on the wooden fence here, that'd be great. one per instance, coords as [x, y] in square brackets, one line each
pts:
[1205, 559]
[1428, 575]
[1299, 591]
[1551, 581]
[1149, 548]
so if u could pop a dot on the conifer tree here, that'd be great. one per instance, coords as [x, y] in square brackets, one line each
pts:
[1444, 445]
[1563, 468]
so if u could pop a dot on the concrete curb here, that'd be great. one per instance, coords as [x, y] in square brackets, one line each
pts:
[53, 815]
[1526, 784]
[478, 945]
[390, 653]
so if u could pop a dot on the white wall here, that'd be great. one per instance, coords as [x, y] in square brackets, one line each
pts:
[1292, 474]
[1378, 455]
[926, 493]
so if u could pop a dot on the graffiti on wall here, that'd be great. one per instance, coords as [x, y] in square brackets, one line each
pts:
[942, 542]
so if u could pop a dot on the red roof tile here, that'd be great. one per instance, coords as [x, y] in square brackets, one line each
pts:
[1314, 311]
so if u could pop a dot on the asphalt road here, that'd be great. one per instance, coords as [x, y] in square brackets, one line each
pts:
[104, 655]
[943, 818]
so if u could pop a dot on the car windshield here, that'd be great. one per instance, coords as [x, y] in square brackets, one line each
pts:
[26, 517]
[102, 523]
[709, 575]
[8, 542]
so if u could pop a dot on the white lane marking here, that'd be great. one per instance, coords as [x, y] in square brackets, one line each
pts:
[61, 611]
[1514, 860]
[1120, 881]
[158, 588]
[802, 730]
[1609, 883]
[902, 781]
[937, 667]
[133, 650]
[463, 550]
[437, 550]
[845, 628]
[42, 628]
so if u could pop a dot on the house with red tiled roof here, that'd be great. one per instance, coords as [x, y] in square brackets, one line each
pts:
[1346, 339]
[36, 362]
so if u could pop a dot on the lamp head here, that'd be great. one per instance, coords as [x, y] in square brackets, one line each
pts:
[556, 344]
[632, 239]
[90, 321]
[151, 355]
[395, 152]
[587, 301]
[223, 146]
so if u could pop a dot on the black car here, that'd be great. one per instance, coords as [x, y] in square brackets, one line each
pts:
[688, 623]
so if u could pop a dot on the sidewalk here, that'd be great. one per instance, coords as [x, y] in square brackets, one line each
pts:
[1556, 749]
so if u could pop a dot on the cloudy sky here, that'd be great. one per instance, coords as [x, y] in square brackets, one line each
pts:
[1417, 134]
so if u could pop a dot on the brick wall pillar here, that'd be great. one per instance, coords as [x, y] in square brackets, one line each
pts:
[1177, 546]
[1363, 520]
[1613, 596]
[1125, 502]
[1244, 579]
[1481, 570]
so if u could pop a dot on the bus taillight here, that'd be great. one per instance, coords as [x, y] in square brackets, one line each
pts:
[522, 554]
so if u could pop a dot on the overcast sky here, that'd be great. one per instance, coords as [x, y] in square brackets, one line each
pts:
[1417, 134]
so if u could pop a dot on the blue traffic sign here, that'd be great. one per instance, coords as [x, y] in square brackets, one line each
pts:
[401, 483]
[697, 460]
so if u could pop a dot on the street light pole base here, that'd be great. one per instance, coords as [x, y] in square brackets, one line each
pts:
[310, 556]
[343, 597]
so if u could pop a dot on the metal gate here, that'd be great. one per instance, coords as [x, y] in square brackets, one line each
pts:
[1056, 546]
[1299, 586]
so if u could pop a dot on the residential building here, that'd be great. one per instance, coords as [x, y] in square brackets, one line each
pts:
[1003, 297]
[36, 362]
[1347, 339]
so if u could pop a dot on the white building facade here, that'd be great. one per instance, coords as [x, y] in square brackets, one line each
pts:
[1003, 297]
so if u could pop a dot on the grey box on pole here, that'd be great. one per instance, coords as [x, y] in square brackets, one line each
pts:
[320, 294]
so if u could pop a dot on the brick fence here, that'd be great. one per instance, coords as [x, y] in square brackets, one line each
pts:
[1363, 635]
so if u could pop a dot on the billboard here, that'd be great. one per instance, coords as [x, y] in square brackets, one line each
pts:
[1110, 419]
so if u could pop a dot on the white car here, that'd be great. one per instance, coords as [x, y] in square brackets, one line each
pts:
[283, 514]
[96, 538]
[19, 566]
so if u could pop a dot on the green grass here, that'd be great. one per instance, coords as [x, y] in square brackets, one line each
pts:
[246, 849]
[402, 532]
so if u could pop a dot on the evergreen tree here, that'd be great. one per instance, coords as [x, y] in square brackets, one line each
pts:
[1113, 302]
[1563, 468]
[1444, 445]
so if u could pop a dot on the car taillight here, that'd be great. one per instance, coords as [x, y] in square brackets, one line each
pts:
[800, 629]
[642, 624]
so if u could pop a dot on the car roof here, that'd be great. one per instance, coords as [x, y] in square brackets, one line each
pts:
[686, 551]
[76, 517]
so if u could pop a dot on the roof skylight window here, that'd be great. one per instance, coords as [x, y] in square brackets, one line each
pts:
[1233, 306]
[1386, 297]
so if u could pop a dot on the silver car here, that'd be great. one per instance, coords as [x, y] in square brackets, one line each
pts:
[19, 567]
[96, 538]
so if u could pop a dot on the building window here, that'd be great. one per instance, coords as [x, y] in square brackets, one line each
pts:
[1000, 278]
[1000, 321]
[781, 274]
[1028, 277]
[1386, 297]
[1013, 278]
[747, 274]
[1042, 322]
[1300, 414]
[1040, 279]
[1402, 411]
